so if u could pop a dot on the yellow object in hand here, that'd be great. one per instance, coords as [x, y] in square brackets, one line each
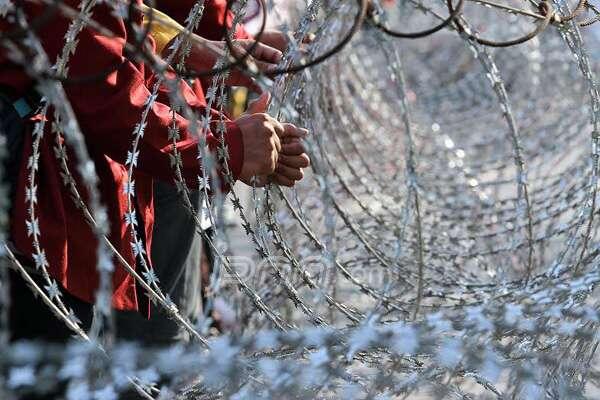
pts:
[163, 28]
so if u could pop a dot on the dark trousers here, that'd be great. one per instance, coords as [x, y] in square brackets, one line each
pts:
[30, 319]
[175, 251]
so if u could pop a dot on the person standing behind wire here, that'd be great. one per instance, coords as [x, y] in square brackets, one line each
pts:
[181, 258]
[107, 109]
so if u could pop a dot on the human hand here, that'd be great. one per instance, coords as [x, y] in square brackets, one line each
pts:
[205, 53]
[291, 157]
[275, 39]
[279, 40]
[260, 134]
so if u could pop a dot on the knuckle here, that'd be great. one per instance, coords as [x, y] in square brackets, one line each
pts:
[266, 125]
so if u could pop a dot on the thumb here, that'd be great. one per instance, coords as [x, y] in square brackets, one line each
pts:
[259, 105]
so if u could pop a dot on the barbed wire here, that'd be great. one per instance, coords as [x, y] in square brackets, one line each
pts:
[448, 248]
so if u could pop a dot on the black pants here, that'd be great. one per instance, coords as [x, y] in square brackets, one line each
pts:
[32, 320]
[173, 239]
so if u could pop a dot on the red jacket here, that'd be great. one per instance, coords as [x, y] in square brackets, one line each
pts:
[107, 111]
[210, 26]
[213, 17]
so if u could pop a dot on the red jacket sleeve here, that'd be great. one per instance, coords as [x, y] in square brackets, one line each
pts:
[212, 21]
[109, 108]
